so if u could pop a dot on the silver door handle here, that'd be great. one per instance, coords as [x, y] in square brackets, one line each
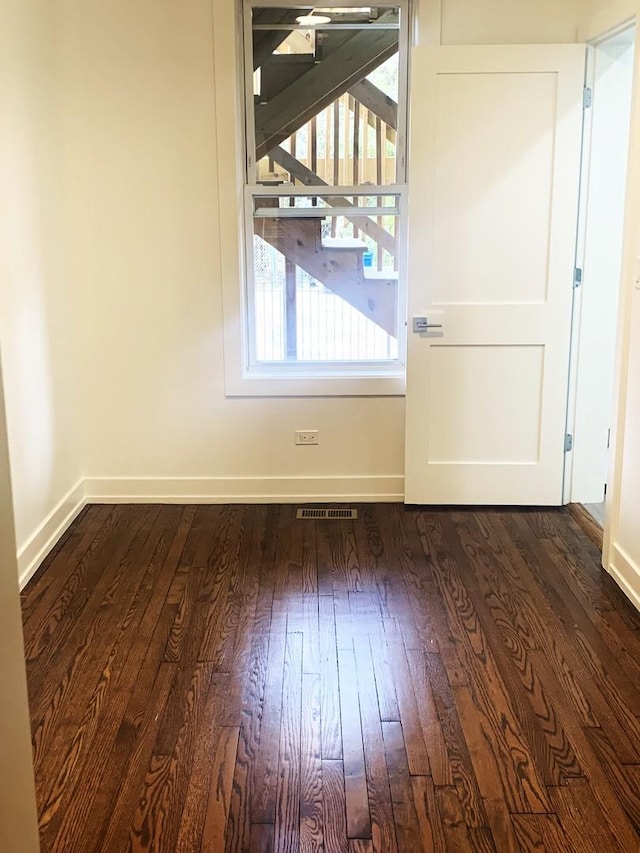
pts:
[422, 324]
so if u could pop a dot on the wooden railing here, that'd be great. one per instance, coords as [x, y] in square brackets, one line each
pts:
[345, 144]
[351, 142]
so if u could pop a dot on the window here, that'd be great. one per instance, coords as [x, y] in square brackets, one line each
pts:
[324, 197]
[324, 278]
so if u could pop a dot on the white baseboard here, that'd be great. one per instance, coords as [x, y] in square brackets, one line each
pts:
[40, 543]
[203, 490]
[214, 490]
[626, 574]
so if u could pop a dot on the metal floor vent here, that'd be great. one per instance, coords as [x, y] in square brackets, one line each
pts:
[327, 513]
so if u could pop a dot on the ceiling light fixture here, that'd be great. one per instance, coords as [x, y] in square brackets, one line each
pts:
[312, 20]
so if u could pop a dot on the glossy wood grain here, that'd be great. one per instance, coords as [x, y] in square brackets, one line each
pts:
[227, 678]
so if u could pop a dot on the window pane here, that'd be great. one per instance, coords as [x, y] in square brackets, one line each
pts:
[325, 278]
[326, 95]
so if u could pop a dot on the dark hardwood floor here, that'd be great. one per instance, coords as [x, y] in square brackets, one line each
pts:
[226, 678]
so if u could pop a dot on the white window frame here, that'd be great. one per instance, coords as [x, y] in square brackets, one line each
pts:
[233, 111]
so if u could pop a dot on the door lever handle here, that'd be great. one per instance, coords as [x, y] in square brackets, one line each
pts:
[422, 324]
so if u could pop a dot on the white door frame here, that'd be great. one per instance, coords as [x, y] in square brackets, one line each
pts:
[574, 488]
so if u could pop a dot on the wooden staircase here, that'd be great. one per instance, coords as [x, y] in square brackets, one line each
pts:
[294, 89]
[292, 92]
[337, 263]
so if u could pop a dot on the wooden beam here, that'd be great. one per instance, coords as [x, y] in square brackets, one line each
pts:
[338, 266]
[308, 178]
[266, 41]
[375, 100]
[355, 106]
[321, 85]
[390, 129]
[340, 270]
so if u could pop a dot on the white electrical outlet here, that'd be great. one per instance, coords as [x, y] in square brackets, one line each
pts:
[307, 436]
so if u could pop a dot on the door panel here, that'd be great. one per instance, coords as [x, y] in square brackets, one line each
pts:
[482, 169]
[495, 158]
[515, 433]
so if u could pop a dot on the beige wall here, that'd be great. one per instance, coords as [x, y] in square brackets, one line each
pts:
[622, 533]
[34, 320]
[18, 817]
[509, 21]
[597, 17]
[627, 537]
[142, 222]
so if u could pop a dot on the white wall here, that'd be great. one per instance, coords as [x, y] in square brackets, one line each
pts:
[18, 816]
[34, 320]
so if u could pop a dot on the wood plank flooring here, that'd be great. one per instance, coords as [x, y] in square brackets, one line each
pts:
[588, 522]
[226, 678]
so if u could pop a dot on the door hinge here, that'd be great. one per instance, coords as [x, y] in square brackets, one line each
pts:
[568, 443]
[587, 98]
[577, 277]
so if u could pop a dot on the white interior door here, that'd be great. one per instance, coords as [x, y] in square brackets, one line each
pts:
[493, 186]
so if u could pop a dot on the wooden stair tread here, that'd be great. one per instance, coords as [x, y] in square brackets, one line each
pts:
[337, 263]
[373, 276]
[349, 243]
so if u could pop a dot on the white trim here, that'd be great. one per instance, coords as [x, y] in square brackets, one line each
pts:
[576, 309]
[251, 163]
[427, 23]
[621, 377]
[321, 212]
[279, 4]
[214, 490]
[626, 574]
[42, 540]
[402, 123]
[579, 462]
[325, 190]
[198, 490]
[228, 153]
[290, 28]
